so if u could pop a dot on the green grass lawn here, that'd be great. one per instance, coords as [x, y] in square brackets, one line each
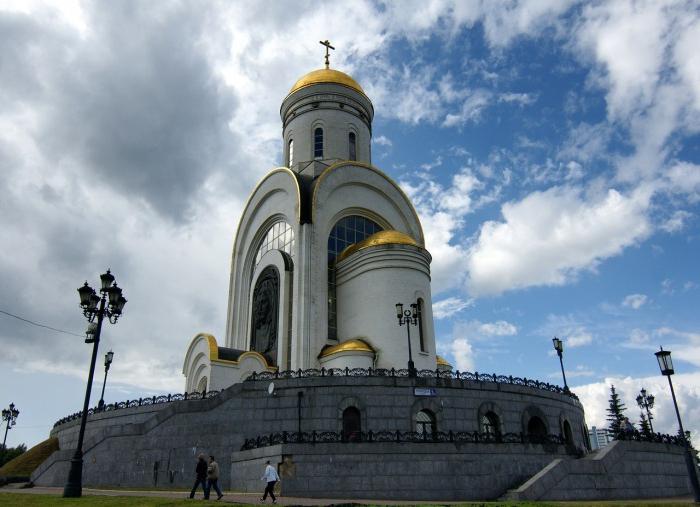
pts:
[42, 500]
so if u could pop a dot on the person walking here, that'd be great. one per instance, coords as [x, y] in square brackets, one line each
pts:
[201, 471]
[271, 477]
[213, 478]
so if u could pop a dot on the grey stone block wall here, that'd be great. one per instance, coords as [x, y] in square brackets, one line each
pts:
[124, 447]
[622, 470]
[392, 471]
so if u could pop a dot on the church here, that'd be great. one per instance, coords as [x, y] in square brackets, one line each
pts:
[328, 368]
[325, 248]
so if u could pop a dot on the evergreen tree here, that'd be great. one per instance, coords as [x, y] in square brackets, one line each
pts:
[11, 453]
[615, 412]
[644, 427]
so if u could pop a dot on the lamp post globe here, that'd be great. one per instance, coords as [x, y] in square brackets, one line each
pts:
[409, 318]
[9, 415]
[666, 366]
[109, 304]
[559, 347]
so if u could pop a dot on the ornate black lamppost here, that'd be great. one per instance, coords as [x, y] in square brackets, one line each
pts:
[408, 317]
[10, 415]
[559, 347]
[666, 366]
[646, 401]
[108, 361]
[109, 305]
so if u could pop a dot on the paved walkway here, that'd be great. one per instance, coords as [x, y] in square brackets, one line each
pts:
[254, 498]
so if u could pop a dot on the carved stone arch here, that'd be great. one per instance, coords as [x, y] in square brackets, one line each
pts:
[566, 429]
[529, 414]
[484, 409]
[427, 404]
[351, 401]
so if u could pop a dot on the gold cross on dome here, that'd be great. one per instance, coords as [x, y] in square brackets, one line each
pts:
[326, 43]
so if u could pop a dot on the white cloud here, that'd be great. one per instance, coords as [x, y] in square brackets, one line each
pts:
[549, 237]
[634, 301]
[463, 353]
[498, 328]
[450, 306]
[676, 222]
[595, 398]
[382, 141]
[578, 338]
[521, 99]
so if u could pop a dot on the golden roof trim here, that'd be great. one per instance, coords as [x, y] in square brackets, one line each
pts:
[353, 345]
[390, 237]
[441, 361]
[320, 76]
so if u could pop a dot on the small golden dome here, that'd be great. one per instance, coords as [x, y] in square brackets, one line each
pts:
[441, 361]
[354, 345]
[326, 76]
[379, 238]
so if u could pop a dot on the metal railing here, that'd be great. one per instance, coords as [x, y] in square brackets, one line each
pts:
[401, 373]
[141, 402]
[640, 436]
[324, 437]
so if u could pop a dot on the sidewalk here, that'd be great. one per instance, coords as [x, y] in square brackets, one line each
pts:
[254, 498]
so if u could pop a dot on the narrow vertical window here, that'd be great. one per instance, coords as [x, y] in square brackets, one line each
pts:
[421, 332]
[352, 147]
[291, 152]
[318, 143]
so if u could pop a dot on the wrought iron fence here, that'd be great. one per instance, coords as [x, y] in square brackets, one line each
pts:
[641, 436]
[403, 372]
[324, 437]
[141, 402]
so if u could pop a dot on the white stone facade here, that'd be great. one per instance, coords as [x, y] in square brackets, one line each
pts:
[308, 200]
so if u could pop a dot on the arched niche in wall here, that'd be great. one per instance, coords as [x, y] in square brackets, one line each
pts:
[490, 419]
[534, 422]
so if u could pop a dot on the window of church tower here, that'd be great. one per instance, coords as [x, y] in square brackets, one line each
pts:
[352, 148]
[279, 237]
[347, 231]
[318, 143]
[421, 324]
[291, 152]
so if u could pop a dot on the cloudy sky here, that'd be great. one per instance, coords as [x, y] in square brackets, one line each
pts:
[552, 149]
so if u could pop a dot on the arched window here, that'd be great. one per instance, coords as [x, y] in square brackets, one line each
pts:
[290, 152]
[352, 425]
[347, 231]
[318, 143]
[421, 325]
[279, 236]
[568, 434]
[263, 331]
[352, 147]
[425, 424]
[490, 425]
[202, 386]
[536, 427]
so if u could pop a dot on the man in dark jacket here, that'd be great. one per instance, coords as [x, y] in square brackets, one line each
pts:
[201, 472]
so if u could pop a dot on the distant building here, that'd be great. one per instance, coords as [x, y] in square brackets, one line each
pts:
[599, 437]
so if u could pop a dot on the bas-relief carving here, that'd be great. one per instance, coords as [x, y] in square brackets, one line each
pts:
[265, 314]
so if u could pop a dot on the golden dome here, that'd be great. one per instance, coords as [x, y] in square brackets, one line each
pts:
[441, 361]
[379, 238]
[354, 345]
[326, 76]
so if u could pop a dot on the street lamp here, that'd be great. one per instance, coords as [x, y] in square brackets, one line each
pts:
[559, 347]
[646, 401]
[111, 303]
[108, 361]
[10, 415]
[666, 366]
[408, 317]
